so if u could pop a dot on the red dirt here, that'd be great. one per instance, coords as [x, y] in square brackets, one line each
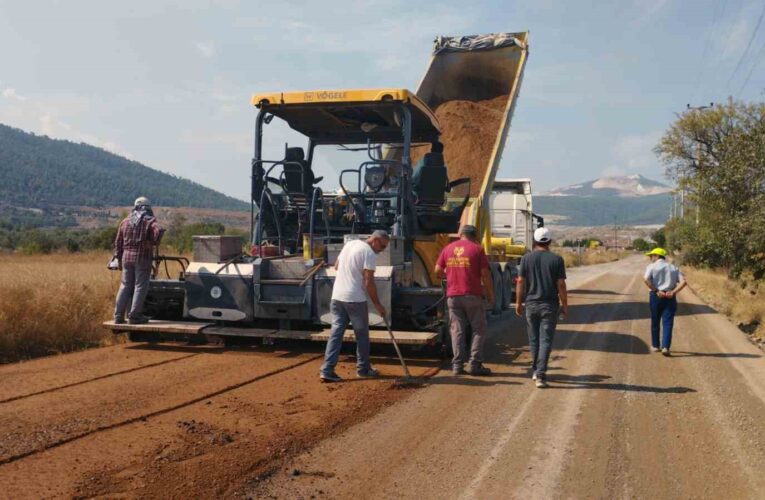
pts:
[468, 132]
[172, 421]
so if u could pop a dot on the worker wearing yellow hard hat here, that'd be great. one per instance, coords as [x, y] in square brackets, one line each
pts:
[665, 281]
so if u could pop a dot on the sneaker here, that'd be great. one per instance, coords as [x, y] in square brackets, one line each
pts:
[330, 377]
[140, 320]
[541, 383]
[119, 321]
[479, 370]
[665, 351]
[534, 377]
[370, 373]
[458, 370]
[655, 349]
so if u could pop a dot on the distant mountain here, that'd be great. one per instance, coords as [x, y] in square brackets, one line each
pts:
[604, 210]
[626, 186]
[39, 172]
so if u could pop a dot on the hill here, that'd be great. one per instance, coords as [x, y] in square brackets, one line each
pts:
[601, 211]
[625, 186]
[631, 200]
[40, 172]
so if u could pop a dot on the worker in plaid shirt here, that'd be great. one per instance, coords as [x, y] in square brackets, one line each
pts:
[138, 235]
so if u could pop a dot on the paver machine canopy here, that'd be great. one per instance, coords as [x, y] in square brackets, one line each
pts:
[284, 190]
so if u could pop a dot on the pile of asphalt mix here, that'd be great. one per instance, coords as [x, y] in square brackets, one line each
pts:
[469, 130]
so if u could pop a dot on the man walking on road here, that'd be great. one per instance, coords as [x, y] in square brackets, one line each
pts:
[665, 281]
[355, 280]
[465, 265]
[542, 283]
[138, 235]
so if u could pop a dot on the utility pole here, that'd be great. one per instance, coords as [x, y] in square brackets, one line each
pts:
[698, 148]
[616, 237]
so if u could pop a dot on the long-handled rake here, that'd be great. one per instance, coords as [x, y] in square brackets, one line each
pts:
[407, 380]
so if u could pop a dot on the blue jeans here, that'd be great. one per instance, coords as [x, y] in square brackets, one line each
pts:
[662, 313]
[358, 315]
[541, 320]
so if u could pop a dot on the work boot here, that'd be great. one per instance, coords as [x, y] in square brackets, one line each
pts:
[479, 370]
[138, 320]
[330, 377]
[369, 373]
[119, 321]
[458, 370]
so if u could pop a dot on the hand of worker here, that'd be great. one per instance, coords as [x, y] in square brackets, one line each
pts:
[381, 310]
[564, 309]
[519, 309]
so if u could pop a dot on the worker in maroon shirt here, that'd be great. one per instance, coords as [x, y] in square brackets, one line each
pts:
[465, 265]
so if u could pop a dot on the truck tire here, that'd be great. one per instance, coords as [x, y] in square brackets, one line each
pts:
[507, 290]
[497, 281]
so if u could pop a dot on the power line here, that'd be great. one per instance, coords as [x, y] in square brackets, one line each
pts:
[748, 45]
[710, 34]
[757, 60]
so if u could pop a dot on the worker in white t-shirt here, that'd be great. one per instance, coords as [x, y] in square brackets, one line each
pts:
[355, 280]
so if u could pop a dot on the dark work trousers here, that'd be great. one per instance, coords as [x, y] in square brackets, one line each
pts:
[541, 320]
[662, 313]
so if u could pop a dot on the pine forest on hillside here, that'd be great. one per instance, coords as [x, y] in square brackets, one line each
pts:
[38, 172]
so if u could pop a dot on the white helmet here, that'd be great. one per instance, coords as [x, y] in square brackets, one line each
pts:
[142, 201]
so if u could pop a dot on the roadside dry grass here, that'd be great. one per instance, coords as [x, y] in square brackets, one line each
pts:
[589, 257]
[745, 306]
[54, 303]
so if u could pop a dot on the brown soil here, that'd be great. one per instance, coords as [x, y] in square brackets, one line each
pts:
[173, 421]
[617, 421]
[468, 132]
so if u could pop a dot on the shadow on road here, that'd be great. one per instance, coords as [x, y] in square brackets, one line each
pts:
[593, 292]
[685, 354]
[559, 381]
[616, 342]
[625, 311]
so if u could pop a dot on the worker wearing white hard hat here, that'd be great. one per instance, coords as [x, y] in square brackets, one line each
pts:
[541, 296]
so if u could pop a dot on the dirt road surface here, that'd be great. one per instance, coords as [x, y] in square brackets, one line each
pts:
[617, 422]
[176, 421]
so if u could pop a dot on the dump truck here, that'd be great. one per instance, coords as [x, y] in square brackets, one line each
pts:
[280, 285]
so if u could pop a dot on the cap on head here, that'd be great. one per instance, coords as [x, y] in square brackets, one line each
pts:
[658, 251]
[142, 201]
[469, 230]
[542, 235]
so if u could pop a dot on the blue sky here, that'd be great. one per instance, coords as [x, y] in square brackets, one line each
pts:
[168, 83]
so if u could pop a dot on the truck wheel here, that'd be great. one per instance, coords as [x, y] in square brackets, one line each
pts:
[496, 275]
[507, 290]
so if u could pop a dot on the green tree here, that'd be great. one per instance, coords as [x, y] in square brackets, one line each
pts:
[641, 245]
[717, 156]
[659, 237]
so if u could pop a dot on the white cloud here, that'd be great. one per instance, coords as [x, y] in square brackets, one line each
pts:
[613, 171]
[10, 93]
[633, 153]
[206, 48]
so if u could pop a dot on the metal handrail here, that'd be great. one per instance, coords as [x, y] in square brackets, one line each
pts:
[259, 226]
[317, 194]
